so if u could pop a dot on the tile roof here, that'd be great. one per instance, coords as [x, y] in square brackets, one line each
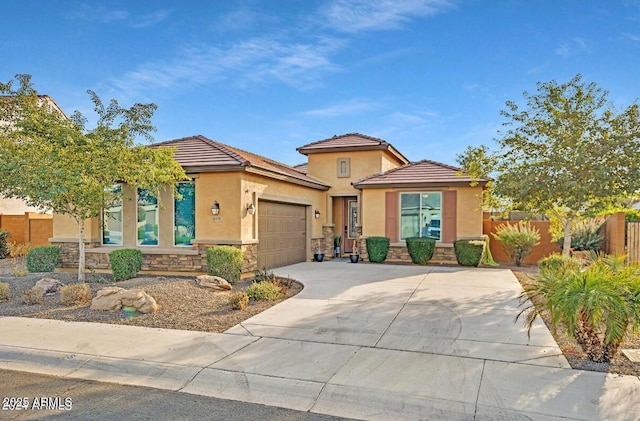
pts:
[416, 174]
[303, 168]
[350, 142]
[200, 154]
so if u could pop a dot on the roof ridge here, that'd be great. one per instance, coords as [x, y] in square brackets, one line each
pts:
[229, 150]
[334, 137]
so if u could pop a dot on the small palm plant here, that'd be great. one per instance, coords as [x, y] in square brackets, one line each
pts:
[598, 306]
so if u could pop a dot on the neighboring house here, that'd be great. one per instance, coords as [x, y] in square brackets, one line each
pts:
[353, 185]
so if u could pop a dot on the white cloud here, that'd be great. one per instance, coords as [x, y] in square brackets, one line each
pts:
[101, 14]
[632, 37]
[255, 60]
[150, 19]
[363, 15]
[351, 107]
[574, 47]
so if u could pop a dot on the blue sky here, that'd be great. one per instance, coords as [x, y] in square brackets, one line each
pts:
[429, 76]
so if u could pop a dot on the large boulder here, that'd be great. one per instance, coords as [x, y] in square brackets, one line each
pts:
[114, 298]
[215, 283]
[47, 286]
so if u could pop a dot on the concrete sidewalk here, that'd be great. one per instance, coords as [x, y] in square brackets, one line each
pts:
[361, 341]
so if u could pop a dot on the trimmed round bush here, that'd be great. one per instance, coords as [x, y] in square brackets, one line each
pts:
[267, 291]
[125, 264]
[558, 264]
[225, 262]
[377, 248]
[468, 252]
[43, 259]
[421, 249]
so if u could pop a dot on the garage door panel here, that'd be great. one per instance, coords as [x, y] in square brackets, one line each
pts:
[281, 234]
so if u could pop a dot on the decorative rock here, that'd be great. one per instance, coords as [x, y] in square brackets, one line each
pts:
[114, 298]
[215, 283]
[47, 286]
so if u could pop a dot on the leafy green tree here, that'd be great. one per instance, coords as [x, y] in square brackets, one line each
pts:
[568, 152]
[479, 162]
[55, 162]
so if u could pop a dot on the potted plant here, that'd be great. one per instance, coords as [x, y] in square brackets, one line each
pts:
[354, 257]
[318, 256]
[337, 244]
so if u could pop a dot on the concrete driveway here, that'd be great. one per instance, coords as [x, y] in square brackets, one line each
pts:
[362, 341]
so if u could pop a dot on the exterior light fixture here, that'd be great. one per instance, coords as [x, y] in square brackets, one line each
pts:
[317, 213]
[215, 209]
[251, 209]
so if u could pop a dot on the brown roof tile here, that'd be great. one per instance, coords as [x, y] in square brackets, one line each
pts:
[303, 168]
[350, 142]
[200, 154]
[417, 174]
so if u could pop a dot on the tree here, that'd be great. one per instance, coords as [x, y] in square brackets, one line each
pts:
[55, 162]
[568, 153]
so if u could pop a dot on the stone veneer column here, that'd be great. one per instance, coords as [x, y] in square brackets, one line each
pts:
[327, 241]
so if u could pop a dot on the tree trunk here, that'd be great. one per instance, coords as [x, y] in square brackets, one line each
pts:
[81, 254]
[566, 245]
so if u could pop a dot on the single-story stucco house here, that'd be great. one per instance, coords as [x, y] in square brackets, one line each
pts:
[352, 185]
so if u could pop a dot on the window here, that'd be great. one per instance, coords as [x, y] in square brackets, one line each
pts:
[184, 226]
[344, 169]
[420, 215]
[112, 218]
[148, 218]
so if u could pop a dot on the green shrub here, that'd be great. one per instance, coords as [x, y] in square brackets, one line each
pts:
[5, 291]
[421, 249]
[4, 249]
[268, 291]
[225, 262]
[377, 248]
[43, 259]
[18, 249]
[125, 264]
[239, 300]
[468, 252]
[75, 294]
[517, 240]
[598, 306]
[632, 215]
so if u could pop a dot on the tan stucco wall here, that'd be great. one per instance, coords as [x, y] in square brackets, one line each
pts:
[64, 227]
[15, 207]
[324, 166]
[256, 187]
[468, 211]
[223, 187]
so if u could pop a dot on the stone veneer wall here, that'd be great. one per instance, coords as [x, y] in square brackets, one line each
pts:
[167, 262]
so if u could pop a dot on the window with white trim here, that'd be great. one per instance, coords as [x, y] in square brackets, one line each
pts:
[112, 218]
[148, 218]
[421, 215]
[184, 225]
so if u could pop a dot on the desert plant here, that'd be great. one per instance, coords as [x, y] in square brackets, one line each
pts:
[32, 296]
[598, 305]
[5, 291]
[377, 248]
[4, 249]
[420, 249]
[268, 291]
[18, 249]
[225, 262]
[264, 275]
[239, 300]
[125, 263]
[469, 252]
[337, 241]
[43, 258]
[517, 240]
[75, 294]
[558, 263]
[586, 235]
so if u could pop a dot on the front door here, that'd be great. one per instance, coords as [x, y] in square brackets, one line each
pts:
[350, 220]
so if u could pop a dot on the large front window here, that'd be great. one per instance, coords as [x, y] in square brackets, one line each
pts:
[148, 218]
[420, 215]
[185, 214]
[112, 220]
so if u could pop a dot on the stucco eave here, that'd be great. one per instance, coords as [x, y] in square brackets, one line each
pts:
[289, 179]
[415, 185]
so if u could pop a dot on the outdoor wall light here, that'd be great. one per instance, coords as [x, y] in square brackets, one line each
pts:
[251, 209]
[215, 209]
[317, 213]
